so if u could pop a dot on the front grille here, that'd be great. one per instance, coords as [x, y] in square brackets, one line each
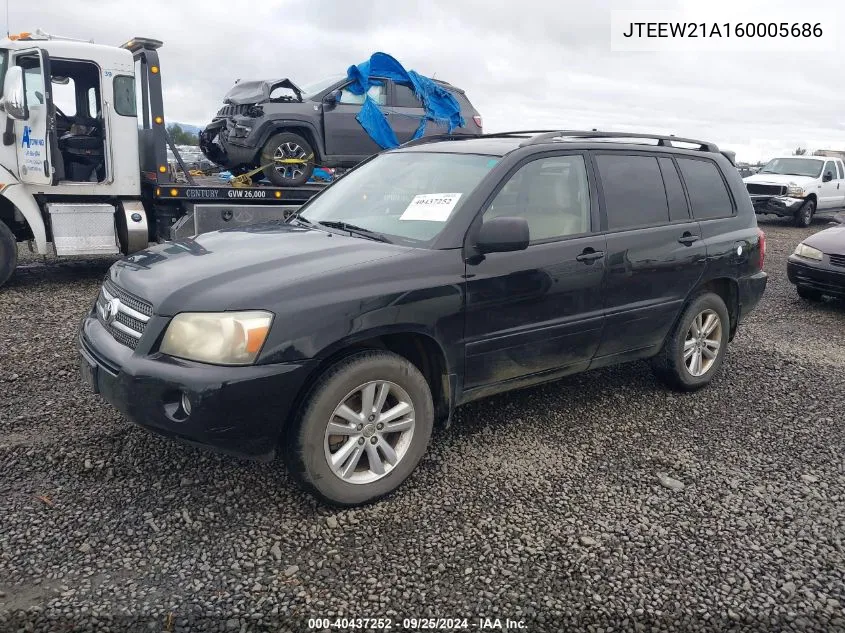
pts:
[837, 260]
[765, 190]
[232, 110]
[124, 315]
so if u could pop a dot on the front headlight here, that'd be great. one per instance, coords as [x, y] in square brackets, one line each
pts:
[808, 252]
[795, 191]
[222, 338]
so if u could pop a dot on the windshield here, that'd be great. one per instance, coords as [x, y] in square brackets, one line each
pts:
[405, 196]
[793, 167]
[313, 89]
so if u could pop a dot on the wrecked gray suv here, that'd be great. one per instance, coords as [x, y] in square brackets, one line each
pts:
[288, 130]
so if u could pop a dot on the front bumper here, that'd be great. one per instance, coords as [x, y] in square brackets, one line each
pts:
[822, 276]
[237, 410]
[776, 205]
[220, 144]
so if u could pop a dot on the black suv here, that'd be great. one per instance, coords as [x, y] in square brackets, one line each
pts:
[288, 129]
[431, 275]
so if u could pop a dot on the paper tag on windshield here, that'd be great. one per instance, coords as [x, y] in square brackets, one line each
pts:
[434, 207]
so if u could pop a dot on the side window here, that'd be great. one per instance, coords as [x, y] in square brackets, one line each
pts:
[93, 103]
[678, 209]
[34, 82]
[839, 167]
[709, 198]
[829, 167]
[405, 97]
[552, 194]
[634, 194]
[124, 95]
[378, 93]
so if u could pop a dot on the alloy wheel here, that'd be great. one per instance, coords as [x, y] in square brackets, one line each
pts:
[702, 343]
[290, 151]
[369, 432]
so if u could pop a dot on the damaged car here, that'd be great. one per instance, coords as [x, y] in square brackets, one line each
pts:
[288, 130]
[798, 187]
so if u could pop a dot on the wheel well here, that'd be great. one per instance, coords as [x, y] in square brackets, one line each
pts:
[728, 290]
[303, 130]
[14, 221]
[813, 196]
[421, 350]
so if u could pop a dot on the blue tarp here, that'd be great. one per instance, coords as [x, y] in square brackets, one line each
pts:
[440, 105]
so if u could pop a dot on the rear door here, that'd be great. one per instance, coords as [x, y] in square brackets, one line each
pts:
[406, 113]
[536, 313]
[655, 255]
[344, 134]
[36, 138]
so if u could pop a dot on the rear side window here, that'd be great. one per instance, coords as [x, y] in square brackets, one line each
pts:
[839, 167]
[405, 97]
[634, 194]
[708, 196]
[678, 209]
[124, 95]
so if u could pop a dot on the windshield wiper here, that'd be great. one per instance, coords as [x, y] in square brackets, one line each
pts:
[355, 230]
[300, 220]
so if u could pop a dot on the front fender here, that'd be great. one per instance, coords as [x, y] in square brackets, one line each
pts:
[15, 193]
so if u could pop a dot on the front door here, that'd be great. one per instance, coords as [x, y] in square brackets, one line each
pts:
[344, 134]
[537, 313]
[829, 195]
[35, 137]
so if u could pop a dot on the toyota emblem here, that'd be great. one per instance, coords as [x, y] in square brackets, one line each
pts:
[111, 310]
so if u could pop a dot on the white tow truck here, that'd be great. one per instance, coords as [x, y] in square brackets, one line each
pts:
[90, 176]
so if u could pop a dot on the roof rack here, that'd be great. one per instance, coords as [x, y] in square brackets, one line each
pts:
[662, 141]
[459, 137]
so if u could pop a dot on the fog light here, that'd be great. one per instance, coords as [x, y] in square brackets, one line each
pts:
[186, 403]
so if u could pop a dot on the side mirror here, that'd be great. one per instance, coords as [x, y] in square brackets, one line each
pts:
[828, 176]
[503, 235]
[332, 98]
[14, 95]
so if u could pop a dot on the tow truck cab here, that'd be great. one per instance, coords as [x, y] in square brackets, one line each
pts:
[83, 159]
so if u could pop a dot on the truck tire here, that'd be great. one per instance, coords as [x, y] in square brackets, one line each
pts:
[8, 253]
[287, 145]
[804, 215]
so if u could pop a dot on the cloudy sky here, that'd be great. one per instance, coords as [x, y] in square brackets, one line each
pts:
[526, 64]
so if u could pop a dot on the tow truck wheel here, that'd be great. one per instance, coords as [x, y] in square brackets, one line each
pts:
[804, 215]
[8, 253]
[289, 159]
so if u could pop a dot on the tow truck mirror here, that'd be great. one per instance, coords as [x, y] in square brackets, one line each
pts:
[828, 176]
[14, 95]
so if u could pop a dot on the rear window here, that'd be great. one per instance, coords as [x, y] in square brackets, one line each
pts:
[124, 95]
[634, 194]
[708, 195]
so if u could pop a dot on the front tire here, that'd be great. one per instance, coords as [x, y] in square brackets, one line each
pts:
[695, 350]
[362, 429]
[287, 146]
[804, 216]
[8, 253]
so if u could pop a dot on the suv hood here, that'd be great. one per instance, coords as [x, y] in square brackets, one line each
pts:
[248, 92]
[830, 241]
[241, 269]
[779, 179]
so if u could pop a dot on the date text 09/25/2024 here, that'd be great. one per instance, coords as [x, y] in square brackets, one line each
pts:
[417, 624]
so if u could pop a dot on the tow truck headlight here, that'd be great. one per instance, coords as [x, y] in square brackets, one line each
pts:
[808, 252]
[222, 338]
[795, 191]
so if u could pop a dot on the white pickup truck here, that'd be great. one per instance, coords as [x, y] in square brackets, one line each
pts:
[798, 187]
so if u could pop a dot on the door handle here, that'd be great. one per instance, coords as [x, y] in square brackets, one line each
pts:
[688, 238]
[589, 256]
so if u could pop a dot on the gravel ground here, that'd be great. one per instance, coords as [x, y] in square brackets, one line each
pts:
[598, 503]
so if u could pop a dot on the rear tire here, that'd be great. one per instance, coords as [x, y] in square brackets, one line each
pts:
[340, 447]
[700, 335]
[804, 216]
[810, 294]
[287, 145]
[8, 253]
